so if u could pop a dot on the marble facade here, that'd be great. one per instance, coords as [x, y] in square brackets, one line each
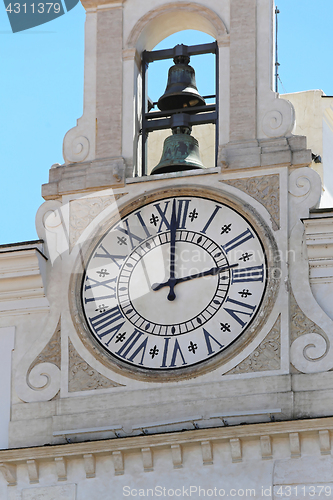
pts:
[259, 424]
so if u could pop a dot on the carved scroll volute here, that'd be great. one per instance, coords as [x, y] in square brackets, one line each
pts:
[279, 120]
[51, 227]
[311, 352]
[38, 372]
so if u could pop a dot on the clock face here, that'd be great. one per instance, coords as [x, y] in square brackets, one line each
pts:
[174, 283]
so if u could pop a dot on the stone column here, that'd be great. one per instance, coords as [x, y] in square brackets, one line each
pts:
[109, 82]
[243, 70]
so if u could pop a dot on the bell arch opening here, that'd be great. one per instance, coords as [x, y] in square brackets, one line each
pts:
[166, 26]
[168, 19]
[158, 85]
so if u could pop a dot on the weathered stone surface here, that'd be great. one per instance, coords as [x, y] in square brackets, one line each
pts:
[83, 211]
[266, 190]
[82, 177]
[109, 82]
[65, 492]
[82, 377]
[266, 356]
[243, 70]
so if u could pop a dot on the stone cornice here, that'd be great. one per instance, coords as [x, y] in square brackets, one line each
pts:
[147, 446]
[280, 151]
[20, 455]
[21, 271]
[102, 4]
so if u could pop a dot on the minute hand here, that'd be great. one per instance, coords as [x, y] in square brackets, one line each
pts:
[210, 272]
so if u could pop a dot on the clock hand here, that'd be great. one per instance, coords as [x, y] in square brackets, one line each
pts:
[173, 282]
[210, 272]
[173, 229]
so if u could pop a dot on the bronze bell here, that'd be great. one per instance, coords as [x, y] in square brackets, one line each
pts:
[181, 90]
[180, 151]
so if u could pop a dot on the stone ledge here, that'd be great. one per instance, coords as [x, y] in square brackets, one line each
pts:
[21, 274]
[89, 451]
[94, 4]
[283, 151]
[85, 176]
[319, 242]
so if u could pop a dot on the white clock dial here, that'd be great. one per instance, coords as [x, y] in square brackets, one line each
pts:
[174, 283]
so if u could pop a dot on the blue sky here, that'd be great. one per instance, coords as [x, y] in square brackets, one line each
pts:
[42, 94]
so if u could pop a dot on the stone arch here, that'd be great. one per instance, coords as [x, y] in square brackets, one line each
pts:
[165, 20]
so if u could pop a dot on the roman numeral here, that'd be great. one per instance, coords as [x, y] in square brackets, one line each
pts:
[255, 273]
[210, 220]
[239, 240]
[181, 215]
[103, 320]
[105, 254]
[129, 233]
[96, 283]
[130, 344]
[208, 339]
[162, 213]
[235, 313]
[176, 352]
[132, 236]
[142, 222]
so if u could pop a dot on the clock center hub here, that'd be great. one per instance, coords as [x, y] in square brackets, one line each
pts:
[150, 264]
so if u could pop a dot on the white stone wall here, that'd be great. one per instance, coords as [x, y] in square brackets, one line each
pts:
[7, 340]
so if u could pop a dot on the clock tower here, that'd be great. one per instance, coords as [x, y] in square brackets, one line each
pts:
[169, 323]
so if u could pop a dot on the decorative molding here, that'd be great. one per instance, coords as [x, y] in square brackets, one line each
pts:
[89, 465]
[83, 211]
[76, 148]
[236, 450]
[207, 452]
[21, 282]
[40, 381]
[118, 462]
[61, 468]
[291, 430]
[304, 193]
[33, 471]
[51, 352]
[82, 377]
[9, 473]
[200, 12]
[311, 351]
[102, 4]
[86, 176]
[300, 324]
[295, 445]
[177, 457]
[325, 442]
[147, 459]
[279, 120]
[266, 447]
[267, 355]
[265, 189]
